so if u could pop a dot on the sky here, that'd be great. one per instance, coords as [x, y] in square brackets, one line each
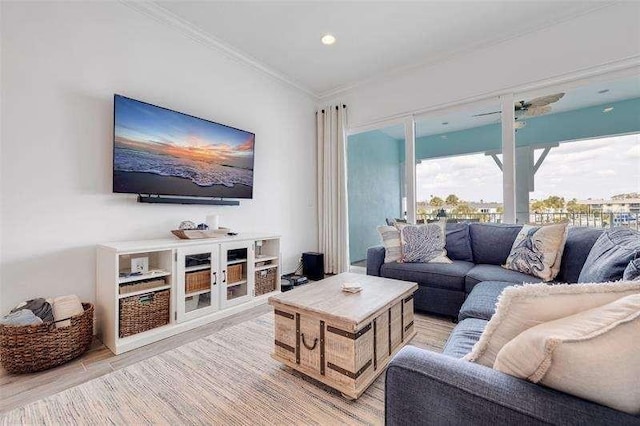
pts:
[596, 168]
[142, 122]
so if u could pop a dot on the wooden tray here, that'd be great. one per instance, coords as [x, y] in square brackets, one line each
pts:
[196, 234]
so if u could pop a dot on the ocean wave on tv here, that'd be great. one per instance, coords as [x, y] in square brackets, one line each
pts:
[201, 173]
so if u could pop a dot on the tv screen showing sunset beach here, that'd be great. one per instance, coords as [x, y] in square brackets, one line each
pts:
[164, 152]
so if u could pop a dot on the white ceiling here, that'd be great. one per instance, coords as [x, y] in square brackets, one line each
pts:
[373, 38]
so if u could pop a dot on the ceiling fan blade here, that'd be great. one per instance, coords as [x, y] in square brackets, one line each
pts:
[546, 100]
[534, 110]
[486, 113]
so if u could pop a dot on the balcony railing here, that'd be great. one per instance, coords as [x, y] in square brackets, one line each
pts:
[593, 220]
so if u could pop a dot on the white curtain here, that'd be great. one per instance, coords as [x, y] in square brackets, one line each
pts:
[333, 234]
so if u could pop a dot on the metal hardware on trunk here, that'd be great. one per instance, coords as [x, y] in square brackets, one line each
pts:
[322, 347]
[283, 314]
[402, 322]
[408, 298]
[284, 346]
[306, 345]
[348, 373]
[375, 344]
[348, 334]
[297, 338]
[408, 326]
[389, 331]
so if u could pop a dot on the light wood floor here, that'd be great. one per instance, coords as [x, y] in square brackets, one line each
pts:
[19, 390]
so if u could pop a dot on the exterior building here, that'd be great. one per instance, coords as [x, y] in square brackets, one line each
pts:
[623, 205]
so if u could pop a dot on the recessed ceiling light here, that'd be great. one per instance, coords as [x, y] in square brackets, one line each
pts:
[443, 137]
[607, 109]
[328, 39]
[603, 91]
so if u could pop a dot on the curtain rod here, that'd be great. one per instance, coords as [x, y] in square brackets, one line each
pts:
[337, 107]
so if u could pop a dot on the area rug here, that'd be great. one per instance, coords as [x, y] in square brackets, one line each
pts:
[225, 378]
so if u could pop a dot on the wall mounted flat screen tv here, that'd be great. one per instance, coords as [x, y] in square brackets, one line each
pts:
[163, 152]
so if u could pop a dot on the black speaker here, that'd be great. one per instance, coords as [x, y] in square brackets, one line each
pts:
[313, 265]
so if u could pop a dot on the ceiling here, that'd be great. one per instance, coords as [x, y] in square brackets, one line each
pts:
[575, 98]
[373, 38]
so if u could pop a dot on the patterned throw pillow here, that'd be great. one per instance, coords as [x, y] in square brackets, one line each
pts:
[424, 243]
[537, 250]
[632, 271]
[391, 241]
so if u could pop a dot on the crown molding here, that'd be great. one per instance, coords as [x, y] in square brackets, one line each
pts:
[171, 20]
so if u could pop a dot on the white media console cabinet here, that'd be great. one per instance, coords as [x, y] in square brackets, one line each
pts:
[186, 283]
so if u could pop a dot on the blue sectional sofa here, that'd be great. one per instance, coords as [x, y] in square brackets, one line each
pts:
[428, 388]
[477, 250]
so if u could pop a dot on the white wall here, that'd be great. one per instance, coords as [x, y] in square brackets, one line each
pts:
[604, 36]
[61, 64]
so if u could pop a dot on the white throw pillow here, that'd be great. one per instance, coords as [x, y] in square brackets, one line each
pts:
[521, 307]
[391, 242]
[537, 250]
[594, 354]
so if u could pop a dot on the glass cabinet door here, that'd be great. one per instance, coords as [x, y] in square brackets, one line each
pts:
[197, 278]
[237, 267]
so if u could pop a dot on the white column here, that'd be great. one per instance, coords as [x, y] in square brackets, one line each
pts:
[410, 167]
[508, 158]
[524, 182]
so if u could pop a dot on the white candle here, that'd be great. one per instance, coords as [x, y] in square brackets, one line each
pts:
[212, 221]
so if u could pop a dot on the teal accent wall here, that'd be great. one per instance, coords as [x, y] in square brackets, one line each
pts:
[373, 187]
[561, 127]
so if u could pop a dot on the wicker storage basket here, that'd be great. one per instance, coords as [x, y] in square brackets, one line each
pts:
[31, 348]
[234, 273]
[144, 312]
[196, 281]
[266, 281]
[141, 285]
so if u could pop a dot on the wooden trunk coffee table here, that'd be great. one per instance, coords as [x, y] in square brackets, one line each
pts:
[344, 340]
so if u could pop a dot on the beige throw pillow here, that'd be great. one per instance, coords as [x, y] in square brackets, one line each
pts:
[538, 250]
[392, 244]
[594, 354]
[521, 307]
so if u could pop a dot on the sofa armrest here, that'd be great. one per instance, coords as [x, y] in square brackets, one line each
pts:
[428, 388]
[375, 259]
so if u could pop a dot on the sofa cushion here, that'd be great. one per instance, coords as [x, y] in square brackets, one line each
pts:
[481, 273]
[576, 249]
[463, 337]
[458, 243]
[491, 243]
[610, 255]
[481, 302]
[442, 275]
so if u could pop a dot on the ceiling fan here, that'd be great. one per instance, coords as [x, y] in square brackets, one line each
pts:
[537, 106]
